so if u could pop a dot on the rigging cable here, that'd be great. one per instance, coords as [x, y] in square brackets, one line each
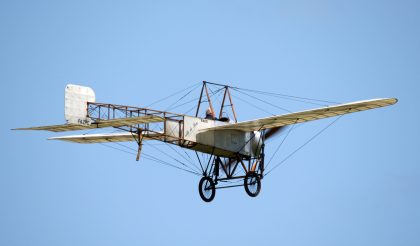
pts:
[294, 98]
[149, 155]
[303, 145]
[170, 106]
[151, 158]
[176, 93]
[195, 99]
[190, 161]
[263, 101]
[172, 158]
[284, 96]
[284, 139]
[245, 101]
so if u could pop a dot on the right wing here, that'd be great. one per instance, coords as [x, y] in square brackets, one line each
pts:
[304, 116]
[99, 124]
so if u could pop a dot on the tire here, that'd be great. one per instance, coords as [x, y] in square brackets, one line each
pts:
[207, 189]
[252, 184]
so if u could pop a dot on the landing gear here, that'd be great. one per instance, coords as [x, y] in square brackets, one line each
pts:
[252, 184]
[224, 172]
[207, 189]
[207, 186]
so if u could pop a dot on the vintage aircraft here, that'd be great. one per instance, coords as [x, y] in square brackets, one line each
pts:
[229, 144]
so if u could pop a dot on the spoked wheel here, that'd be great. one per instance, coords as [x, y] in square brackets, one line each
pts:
[252, 184]
[207, 189]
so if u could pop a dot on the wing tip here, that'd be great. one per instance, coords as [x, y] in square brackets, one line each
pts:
[20, 129]
[388, 100]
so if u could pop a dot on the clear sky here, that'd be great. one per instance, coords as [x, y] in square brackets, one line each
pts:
[356, 184]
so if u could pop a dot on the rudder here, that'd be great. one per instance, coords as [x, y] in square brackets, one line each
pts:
[75, 104]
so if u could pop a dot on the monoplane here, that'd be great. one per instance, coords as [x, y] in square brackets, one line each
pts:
[235, 150]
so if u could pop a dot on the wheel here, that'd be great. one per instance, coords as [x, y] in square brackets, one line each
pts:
[252, 184]
[207, 189]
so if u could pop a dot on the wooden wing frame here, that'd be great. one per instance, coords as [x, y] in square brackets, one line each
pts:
[109, 137]
[308, 115]
[99, 124]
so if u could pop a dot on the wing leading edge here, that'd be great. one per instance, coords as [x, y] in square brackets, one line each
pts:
[308, 115]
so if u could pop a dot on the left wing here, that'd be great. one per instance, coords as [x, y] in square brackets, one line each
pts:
[98, 124]
[304, 116]
[109, 137]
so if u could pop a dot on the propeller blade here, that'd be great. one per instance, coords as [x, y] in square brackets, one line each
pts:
[274, 131]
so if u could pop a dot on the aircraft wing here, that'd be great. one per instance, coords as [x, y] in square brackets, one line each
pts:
[308, 115]
[109, 137]
[98, 124]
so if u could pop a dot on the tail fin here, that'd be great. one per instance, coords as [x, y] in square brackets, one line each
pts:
[75, 104]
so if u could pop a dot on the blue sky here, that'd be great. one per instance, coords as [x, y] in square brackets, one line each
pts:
[356, 184]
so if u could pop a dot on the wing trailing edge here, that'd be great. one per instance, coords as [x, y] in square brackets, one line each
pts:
[109, 137]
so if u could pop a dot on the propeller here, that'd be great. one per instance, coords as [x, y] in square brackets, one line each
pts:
[273, 131]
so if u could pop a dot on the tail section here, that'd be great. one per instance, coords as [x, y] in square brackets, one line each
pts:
[75, 104]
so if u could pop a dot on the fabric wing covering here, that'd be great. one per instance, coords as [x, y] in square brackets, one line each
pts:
[109, 137]
[98, 124]
[308, 115]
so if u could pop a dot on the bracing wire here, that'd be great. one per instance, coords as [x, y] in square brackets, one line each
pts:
[112, 147]
[192, 100]
[170, 106]
[152, 158]
[189, 161]
[285, 96]
[185, 103]
[281, 143]
[173, 158]
[251, 104]
[173, 94]
[294, 98]
[303, 145]
[149, 157]
[189, 110]
[268, 103]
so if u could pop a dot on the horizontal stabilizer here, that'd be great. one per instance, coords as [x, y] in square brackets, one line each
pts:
[98, 124]
[304, 116]
[109, 137]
